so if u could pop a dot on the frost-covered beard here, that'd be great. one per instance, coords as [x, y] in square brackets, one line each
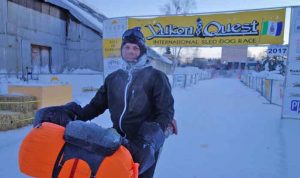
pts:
[140, 63]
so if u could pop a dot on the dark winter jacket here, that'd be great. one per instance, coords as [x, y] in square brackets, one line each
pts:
[133, 95]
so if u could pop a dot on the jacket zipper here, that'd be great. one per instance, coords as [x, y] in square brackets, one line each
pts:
[125, 101]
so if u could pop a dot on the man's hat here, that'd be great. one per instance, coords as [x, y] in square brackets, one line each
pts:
[135, 36]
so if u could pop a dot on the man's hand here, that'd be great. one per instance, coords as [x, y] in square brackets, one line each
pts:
[172, 128]
[60, 115]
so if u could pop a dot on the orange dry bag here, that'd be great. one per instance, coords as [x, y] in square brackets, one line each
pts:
[45, 153]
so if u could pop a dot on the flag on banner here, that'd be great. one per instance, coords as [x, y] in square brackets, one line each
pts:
[271, 28]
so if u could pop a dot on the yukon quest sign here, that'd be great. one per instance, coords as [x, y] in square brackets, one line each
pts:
[191, 32]
[241, 28]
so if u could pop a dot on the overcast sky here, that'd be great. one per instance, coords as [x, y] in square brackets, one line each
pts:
[121, 8]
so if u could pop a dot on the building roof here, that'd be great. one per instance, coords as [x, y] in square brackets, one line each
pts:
[82, 12]
[154, 55]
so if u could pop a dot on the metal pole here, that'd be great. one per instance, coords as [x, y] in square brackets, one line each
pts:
[184, 80]
[271, 91]
[262, 87]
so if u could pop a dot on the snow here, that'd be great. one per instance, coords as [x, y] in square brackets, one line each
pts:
[230, 133]
[186, 70]
[86, 15]
[267, 74]
[155, 55]
[78, 79]
[191, 70]
[82, 15]
[226, 130]
[81, 71]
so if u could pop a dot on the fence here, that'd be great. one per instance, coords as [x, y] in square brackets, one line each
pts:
[185, 78]
[269, 87]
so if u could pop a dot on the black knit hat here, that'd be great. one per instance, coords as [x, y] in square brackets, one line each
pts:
[135, 36]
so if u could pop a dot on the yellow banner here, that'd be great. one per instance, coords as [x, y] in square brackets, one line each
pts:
[111, 47]
[241, 28]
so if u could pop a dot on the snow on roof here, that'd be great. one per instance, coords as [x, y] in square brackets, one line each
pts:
[82, 12]
[153, 54]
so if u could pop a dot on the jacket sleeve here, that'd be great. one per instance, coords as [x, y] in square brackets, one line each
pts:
[97, 105]
[163, 101]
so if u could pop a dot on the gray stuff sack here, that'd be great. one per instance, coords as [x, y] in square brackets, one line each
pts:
[92, 137]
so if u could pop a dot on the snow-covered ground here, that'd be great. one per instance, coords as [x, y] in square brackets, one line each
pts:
[226, 130]
[78, 80]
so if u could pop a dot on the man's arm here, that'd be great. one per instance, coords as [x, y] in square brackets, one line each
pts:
[163, 101]
[97, 105]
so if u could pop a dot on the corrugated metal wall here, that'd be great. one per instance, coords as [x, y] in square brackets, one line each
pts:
[71, 45]
[3, 18]
[84, 48]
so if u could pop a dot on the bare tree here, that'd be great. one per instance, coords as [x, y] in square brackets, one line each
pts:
[262, 54]
[176, 7]
[197, 51]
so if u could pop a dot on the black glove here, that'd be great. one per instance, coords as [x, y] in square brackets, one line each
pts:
[149, 140]
[60, 115]
[152, 134]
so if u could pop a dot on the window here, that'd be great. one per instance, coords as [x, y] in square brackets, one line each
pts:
[236, 65]
[45, 8]
[37, 6]
[54, 12]
[243, 66]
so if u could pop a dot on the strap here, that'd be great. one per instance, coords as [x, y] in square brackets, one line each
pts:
[58, 163]
[74, 168]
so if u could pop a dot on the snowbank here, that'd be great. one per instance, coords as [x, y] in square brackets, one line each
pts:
[81, 71]
[78, 81]
[187, 70]
[266, 74]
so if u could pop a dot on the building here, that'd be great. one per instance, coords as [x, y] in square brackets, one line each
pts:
[49, 36]
[234, 56]
[160, 62]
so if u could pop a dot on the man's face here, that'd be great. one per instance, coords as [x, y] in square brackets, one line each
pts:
[131, 51]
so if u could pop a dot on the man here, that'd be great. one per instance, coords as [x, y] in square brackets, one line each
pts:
[139, 100]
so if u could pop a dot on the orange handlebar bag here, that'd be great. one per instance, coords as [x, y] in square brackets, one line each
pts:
[44, 148]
